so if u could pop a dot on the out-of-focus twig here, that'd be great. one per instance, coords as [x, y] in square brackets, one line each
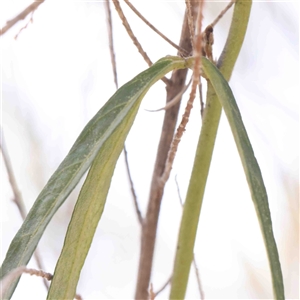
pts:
[164, 286]
[26, 25]
[181, 50]
[134, 196]
[175, 100]
[194, 258]
[18, 199]
[133, 38]
[21, 16]
[6, 281]
[222, 13]
[114, 66]
[111, 43]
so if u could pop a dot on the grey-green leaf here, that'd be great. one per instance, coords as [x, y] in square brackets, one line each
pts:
[87, 213]
[94, 136]
[251, 169]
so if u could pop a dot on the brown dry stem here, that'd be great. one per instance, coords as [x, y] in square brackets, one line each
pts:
[6, 281]
[111, 42]
[133, 37]
[18, 199]
[21, 16]
[175, 100]
[114, 67]
[149, 229]
[201, 292]
[222, 13]
[181, 50]
[164, 286]
[189, 106]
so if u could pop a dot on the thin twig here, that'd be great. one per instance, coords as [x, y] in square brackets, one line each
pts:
[181, 50]
[21, 16]
[175, 100]
[18, 199]
[111, 43]
[194, 258]
[222, 13]
[11, 276]
[185, 118]
[150, 223]
[133, 38]
[164, 286]
[198, 278]
[114, 66]
[14, 274]
[134, 196]
[26, 25]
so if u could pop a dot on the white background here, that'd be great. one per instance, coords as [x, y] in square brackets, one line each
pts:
[57, 75]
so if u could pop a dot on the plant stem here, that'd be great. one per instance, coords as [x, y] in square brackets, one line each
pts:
[211, 118]
[149, 228]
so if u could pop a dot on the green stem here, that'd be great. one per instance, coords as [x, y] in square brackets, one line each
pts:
[212, 113]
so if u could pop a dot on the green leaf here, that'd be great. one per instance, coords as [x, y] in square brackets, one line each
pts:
[251, 169]
[117, 112]
[87, 213]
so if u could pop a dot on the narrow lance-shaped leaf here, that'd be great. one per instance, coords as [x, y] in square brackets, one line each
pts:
[94, 136]
[87, 213]
[210, 123]
[251, 169]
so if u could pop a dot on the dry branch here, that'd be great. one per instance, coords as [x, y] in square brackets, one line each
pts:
[189, 106]
[133, 37]
[114, 67]
[21, 16]
[181, 50]
[149, 229]
[222, 13]
[18, 199]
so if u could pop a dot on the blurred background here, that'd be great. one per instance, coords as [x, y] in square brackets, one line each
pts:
[57, 74]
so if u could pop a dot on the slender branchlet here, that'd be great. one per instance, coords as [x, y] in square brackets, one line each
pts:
[181, 50]
[18, 199]
[133, 37]
[21, 16]
[111, 43]
[133, 193]
[6, 281]
[11, 276]
[114, 67]
[201, 292]
[175, 100]
[30, 21]
[222, 13]
[164, 286]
